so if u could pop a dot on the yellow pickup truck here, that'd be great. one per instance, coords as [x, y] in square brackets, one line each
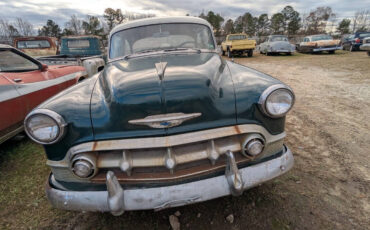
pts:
[238, 44]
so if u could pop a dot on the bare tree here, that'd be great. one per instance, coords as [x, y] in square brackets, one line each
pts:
[74, 25]
[24, 27]
[7, 31]
[317, 19]
[361, 20]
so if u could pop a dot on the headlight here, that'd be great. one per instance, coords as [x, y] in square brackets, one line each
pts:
[44, 126]
[277, 100]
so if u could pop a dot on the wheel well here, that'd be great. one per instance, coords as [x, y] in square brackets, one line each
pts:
[81, 78]
[100, 68]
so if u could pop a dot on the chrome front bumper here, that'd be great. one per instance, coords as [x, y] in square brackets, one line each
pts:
[365, 46]
[116, 200]
[327, 49]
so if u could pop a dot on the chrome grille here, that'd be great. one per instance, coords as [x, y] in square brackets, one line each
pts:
[166, 158]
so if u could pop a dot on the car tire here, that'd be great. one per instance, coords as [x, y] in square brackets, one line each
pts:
[229, 54]
[331, 52]
[250, 53]
[289, 53]
[368, 53]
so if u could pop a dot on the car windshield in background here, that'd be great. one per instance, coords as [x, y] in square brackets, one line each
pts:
[33, 44]
[237, 37]
[321, 37]
[364, 35]
[12, 62]
[160, 37]
[279, 39]
[82, 43]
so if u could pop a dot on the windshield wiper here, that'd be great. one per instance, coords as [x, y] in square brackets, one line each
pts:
[128, 56]
[147, 51]
[181, 48]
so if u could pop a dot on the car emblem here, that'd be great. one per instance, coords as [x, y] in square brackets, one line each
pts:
[161, 68]
[168, 120]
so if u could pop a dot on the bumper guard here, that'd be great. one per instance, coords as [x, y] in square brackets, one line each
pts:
[117, 200]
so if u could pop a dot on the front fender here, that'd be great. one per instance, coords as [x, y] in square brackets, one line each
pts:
[249, 85]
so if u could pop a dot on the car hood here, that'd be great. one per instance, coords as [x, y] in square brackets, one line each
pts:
[194, 84]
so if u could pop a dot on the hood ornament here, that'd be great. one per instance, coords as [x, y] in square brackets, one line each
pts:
[161, 68]
[168, 120]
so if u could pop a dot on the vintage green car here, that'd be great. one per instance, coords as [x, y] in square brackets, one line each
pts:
[168, 122]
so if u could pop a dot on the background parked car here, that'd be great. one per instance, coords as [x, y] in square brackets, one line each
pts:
[366, 45]
[25, 83]
[353, 42]
[276, 44]
[238, 44]
[318, 43]
[86, 51]
[37, 46]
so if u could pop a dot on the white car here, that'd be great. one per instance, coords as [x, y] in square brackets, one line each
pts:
[366, 45]
[276, 44]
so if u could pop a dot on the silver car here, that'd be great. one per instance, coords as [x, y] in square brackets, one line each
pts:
[276, 44]
[366, 45]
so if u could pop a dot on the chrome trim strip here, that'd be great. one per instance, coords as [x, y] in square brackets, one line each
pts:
[167, 196]
[21, 89]
[27, 88]
[168, 120]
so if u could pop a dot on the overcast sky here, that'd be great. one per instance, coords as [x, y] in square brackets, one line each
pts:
[38, 11]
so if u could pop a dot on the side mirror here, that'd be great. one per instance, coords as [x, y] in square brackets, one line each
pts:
[44, 67]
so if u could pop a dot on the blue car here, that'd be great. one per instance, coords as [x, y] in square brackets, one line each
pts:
[353, 42]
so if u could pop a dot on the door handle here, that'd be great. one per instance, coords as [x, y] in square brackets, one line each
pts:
[17, 80]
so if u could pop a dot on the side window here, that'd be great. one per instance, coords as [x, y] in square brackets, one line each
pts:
[13, 62]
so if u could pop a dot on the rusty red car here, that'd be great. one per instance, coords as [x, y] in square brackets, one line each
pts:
[37, 46]
[25, 83]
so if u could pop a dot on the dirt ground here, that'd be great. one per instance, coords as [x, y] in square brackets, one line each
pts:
[328, 188]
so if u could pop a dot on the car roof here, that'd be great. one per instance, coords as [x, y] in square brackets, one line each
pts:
[238, 34]
[81, 37]
[159, 20]
[5, 46]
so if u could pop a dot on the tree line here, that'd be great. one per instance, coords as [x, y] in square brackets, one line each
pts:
[288, 21]
[90, 25]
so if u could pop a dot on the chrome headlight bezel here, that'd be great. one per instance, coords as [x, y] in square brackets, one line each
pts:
[62, 125]
[264, 96]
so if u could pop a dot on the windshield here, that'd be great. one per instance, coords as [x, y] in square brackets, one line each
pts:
[364, 35]
[12, 62]
[321, 37]
[33, 44]
[237, 37]
[278, 39]
[160, 37]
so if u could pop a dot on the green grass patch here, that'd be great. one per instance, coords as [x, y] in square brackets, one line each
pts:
[23, 173]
